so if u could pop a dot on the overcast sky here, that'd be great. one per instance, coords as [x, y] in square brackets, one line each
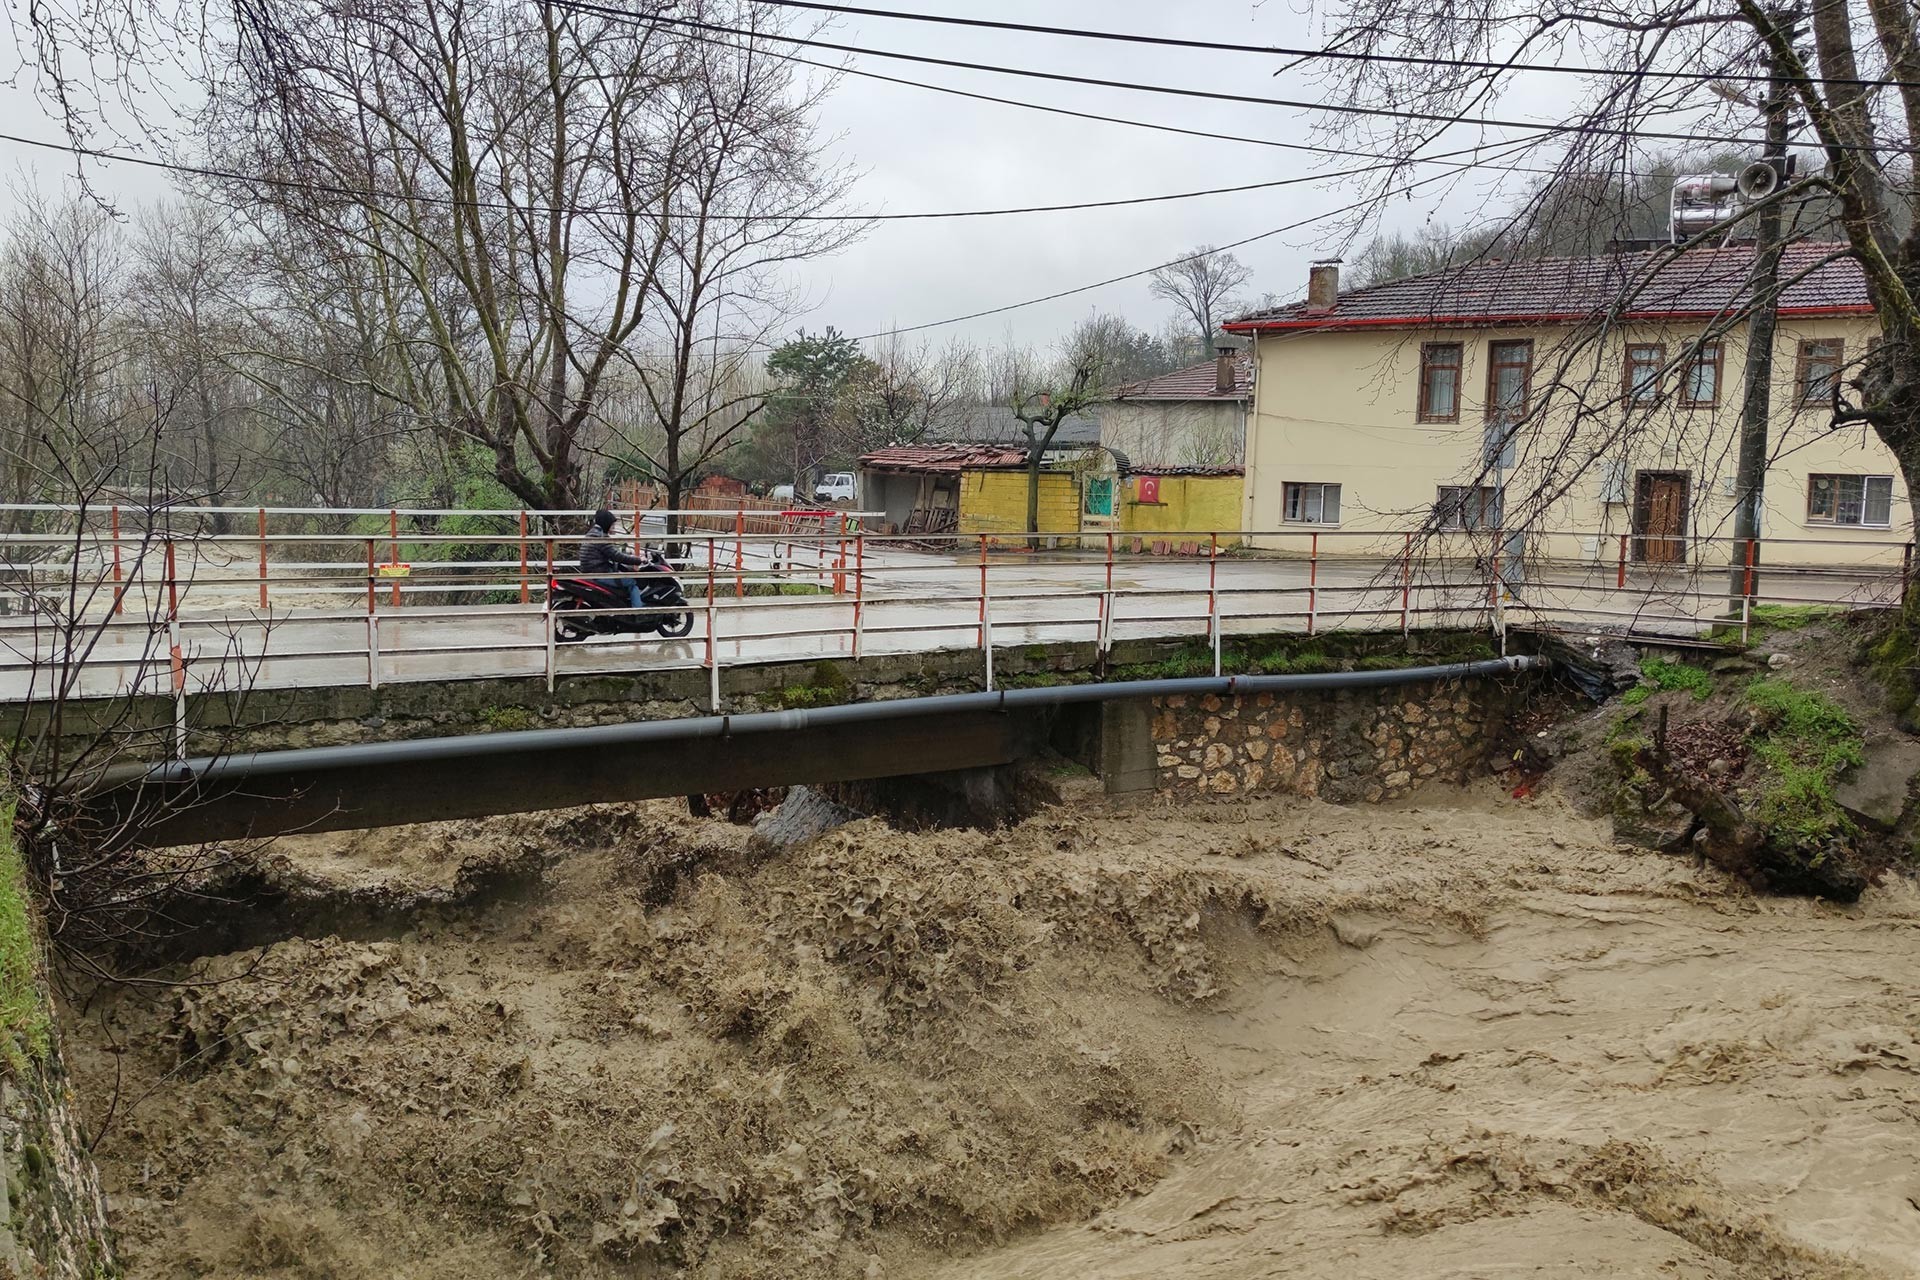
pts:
[922, 150]
[918, 150]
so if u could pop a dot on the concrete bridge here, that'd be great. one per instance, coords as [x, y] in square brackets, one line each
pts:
[306, 760]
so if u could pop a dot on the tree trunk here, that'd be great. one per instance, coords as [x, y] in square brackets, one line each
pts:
[1033, 491]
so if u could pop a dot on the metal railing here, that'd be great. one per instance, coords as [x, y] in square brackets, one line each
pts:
[113, 601]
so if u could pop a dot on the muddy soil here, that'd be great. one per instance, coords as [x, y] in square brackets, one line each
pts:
[1459, 1038]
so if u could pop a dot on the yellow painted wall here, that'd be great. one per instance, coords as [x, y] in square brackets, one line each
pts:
[1340, 407]
[1188, 504]
[996, 502]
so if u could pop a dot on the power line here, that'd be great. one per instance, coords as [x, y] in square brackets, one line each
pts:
[1097, 117]
[322, 188]
[1331, 55]
[1544, 127]
[1147, 271]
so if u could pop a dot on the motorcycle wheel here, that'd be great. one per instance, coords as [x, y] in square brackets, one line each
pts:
[677, 625]
[565, 632]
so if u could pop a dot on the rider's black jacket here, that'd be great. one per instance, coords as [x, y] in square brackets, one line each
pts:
[600, 554]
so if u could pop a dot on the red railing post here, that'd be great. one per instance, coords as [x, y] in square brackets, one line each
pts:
[981, 637]
[1313, 581]
[173, 620]
[263, 557]
[1906, 571]
[119, 589]
[840, 564]
[1620, 579]
[525, 594]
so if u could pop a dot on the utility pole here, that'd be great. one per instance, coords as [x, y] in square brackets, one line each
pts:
[1756, 403]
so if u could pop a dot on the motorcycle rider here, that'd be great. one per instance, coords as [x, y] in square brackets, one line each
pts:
[601, 557]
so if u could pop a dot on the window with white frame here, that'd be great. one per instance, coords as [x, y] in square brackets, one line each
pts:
[1311, 503]
[1467, 506]
[1854, 500]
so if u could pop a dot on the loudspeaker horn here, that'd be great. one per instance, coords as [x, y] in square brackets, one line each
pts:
[1759, 180]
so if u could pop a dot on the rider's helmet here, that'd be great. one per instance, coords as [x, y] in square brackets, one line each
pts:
[603, 520]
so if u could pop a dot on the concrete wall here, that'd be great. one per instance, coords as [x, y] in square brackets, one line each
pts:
[1188, 504]
[996, 502]
[1345, 746]
[1176, 433]
[1340, 407]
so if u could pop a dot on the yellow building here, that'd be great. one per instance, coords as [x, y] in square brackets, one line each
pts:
[1591, 404]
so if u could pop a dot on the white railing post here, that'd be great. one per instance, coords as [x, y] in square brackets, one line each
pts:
[1213, 630]
[373, 651]
[1105, 639]
[546, 621]
[986, 629]
[713, 660]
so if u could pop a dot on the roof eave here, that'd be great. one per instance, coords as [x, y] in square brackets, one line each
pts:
[1508, 321]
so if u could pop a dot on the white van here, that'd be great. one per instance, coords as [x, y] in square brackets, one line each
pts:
[835, 486]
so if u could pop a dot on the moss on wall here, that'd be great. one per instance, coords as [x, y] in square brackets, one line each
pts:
[53, 1217]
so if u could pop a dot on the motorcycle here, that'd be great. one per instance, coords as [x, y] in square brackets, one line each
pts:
[576, 604]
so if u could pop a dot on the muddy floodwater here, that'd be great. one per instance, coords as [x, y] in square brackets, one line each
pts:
[1467, 1037]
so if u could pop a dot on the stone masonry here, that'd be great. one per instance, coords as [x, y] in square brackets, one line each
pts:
[1341, 745]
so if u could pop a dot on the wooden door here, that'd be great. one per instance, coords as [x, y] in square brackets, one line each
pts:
[1660, 517]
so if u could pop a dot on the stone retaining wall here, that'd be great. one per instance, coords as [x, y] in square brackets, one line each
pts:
[1342, 745]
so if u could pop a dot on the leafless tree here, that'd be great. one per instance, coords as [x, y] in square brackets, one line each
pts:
[521, 190]
[748, 198]
[189, 327]
[1044, 395]
[1203, 287]
[67, 356]
[911, 392]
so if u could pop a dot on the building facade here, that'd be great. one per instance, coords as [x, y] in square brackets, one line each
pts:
[1191, 418]
[1590, 404]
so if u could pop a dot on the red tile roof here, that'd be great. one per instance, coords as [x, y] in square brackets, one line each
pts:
[942, 457]
[1655, 284]
[1196, 382]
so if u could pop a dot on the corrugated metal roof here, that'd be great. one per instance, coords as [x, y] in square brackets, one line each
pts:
[995, 424]
[942, 457]
[1656, 284]
[1132, 470]
[1196, 382]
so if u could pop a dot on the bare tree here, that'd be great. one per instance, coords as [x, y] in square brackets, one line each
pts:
[189, 327]
[1202, 286]
[520, 189]
[1043, 396]
[913, 392]
[64, 352]
[748, 198]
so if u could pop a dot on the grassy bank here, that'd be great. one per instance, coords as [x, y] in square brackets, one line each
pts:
[24, 1028]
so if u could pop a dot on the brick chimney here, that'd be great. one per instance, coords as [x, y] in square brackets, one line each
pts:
[1323, 285]
[1224, 351]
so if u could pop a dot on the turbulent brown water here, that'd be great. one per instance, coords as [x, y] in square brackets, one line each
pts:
[1467, 1038]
